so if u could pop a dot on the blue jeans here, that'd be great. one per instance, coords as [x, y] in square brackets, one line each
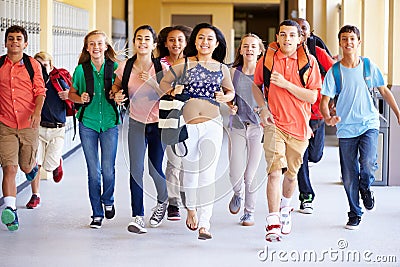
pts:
[358, 162]
[141, 136]
[108, 140]
[314, 154]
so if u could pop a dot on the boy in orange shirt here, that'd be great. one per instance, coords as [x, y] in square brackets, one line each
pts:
[286, 122]
[21, 102]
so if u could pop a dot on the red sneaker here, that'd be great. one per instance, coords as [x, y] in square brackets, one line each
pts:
[58, 173]
[34, 202]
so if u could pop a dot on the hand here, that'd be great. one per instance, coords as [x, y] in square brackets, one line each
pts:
[220, 97]
[278, 79]
[85, 98]
[63, 95]
[144, 75]
[266, 117]
[332, 121]
[35, 120]
[119, 97]
[233, 109]
[178, 89]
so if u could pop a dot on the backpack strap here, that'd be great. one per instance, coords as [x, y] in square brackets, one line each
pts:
[303, 62]
[108, 82]
[125, 77]
[88, 73]
[367, 72]
[158, 68]
[2, 59]
[337, 77]
[28, 66]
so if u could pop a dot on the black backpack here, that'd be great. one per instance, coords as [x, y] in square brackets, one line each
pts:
[27, 63]
[108, 75]
[312, 42]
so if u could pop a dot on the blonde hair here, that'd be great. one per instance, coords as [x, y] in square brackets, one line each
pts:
[109, 53]
[239, 58]
[45, 57]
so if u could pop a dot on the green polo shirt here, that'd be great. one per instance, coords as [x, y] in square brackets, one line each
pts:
[99, 115]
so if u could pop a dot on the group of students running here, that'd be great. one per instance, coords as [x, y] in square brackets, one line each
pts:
[280, 110]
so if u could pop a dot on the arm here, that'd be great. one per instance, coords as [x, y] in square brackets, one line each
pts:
[169, 78]
[228, 92]
[389, 98]
[309, 96]
[36, 115]
[264, 112]
[117, 93]
[74, 97]
[324, 108]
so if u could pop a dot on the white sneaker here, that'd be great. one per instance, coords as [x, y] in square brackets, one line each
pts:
[286, 220]
[137, 226]
[273, 228]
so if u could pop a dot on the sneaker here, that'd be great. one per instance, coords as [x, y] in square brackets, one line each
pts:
[96, 223]
[273, 229]
[32, 175]
[158, 214]
[173, 213]
[247, 219]
[306, 205]
[10, 218]
[368, 199]
[137, 226]
[109, 212]
[58, 173]
[286, 220]
[234, 204]
[34, 202]
[353, 223]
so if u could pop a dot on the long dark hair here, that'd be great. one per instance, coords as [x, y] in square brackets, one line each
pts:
[219, 53]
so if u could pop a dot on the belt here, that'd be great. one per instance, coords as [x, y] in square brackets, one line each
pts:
[51, 124]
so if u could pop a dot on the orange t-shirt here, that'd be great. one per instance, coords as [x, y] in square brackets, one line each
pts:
[291, 114]
[18, 93]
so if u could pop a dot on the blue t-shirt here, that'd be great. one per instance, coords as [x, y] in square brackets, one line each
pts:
[355, 106]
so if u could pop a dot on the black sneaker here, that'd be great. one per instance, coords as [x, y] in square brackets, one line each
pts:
[173, 213]
[158, 214]
[109, 212]
[368, 199]
[306, 205]
[96, 222]
[353, 223]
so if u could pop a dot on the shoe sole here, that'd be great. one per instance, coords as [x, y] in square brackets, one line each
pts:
[133, 228]
[247, 223]
[95, 226]
[306, 211]
[351, 227]
[32, 207]
[204, 236]
[234, 212]
[8, 217]
[272, 237]
[174, 218]
[154, 225]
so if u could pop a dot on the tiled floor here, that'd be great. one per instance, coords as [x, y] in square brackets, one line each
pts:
[57, 234]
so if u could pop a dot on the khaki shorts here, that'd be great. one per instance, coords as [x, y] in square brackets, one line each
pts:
[51, 144]
[18, 146]
[282, 151]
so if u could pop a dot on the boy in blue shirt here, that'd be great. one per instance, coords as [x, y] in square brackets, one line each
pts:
[357, 122]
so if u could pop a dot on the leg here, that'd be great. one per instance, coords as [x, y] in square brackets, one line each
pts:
[348, 151]
[210, 146]
[108, 145]
[237, 167]
[172, 173]
[90, 143]
[254, 154]
[137, 149]
[156, 155]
